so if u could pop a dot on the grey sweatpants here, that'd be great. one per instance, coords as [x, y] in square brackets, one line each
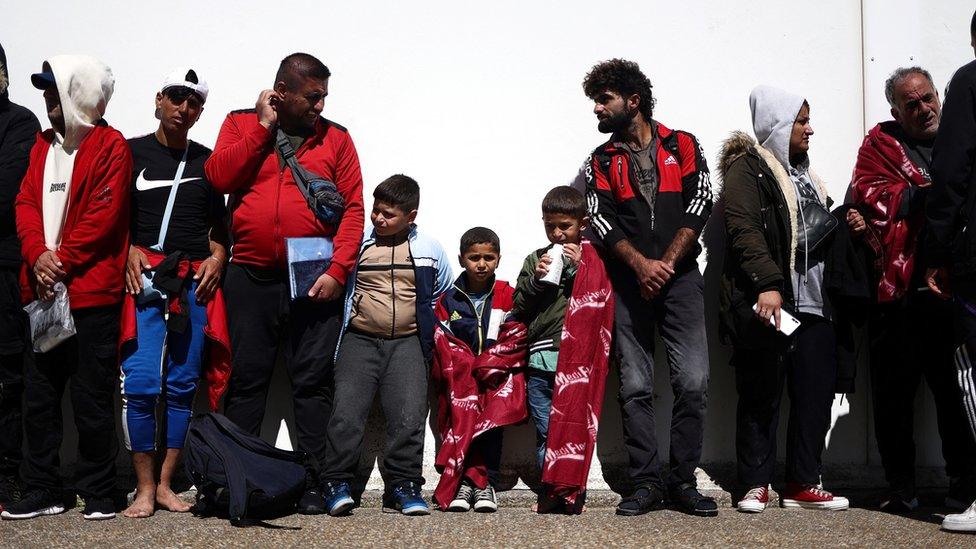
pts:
[395, 367]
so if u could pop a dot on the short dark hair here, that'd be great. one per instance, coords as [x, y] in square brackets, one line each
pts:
[972, 25]
[564, 200]
[399, 190]
[480, 235]
[295, 68]
[899, 75]
[623, 77]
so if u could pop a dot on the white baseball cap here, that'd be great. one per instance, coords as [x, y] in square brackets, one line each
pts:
[185, 77]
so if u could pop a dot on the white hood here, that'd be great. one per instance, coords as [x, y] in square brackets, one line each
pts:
[85, 86]
[773, 114]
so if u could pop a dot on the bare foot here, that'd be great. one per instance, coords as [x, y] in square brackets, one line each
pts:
[143, 506]
[167, 499]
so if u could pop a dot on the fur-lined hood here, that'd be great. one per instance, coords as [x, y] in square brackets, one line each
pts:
[740, 144]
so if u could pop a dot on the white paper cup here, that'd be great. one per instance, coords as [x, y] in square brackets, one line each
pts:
[556, 267]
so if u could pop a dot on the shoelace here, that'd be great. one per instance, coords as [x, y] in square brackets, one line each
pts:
[486, 494]
[756, 493]
[820, 492]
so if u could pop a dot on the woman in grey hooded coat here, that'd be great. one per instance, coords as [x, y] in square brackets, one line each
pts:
[769, 193]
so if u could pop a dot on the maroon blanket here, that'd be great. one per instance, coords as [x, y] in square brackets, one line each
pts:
[476, 394]
[882, 174]
[581, 374]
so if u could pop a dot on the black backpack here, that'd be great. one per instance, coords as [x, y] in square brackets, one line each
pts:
[239, 476]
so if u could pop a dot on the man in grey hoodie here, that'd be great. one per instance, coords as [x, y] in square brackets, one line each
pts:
[770, 195]
[73, 222]
[17, 129]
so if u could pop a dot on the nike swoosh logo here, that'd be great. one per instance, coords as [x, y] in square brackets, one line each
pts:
[143, 184]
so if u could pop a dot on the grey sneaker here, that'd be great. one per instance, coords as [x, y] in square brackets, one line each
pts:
[462, 501]
[484, 500]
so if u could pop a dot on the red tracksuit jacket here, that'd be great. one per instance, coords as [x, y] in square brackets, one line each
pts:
[95, 239]
[266, 206]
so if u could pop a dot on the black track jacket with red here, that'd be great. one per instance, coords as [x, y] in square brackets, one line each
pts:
[619, 211]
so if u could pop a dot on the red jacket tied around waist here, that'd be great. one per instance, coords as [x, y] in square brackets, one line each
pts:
[217, 366]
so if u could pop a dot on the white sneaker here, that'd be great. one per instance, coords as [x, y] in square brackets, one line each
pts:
[462, 501]
[962, 522]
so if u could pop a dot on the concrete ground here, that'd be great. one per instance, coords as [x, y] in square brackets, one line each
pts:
[513, 525]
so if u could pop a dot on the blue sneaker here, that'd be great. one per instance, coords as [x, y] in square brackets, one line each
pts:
[337, 498]
[406, 499]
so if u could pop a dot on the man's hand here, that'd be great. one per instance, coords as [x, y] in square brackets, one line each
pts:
[326, 288]
[266, 108]
[768, 307]
[48, 269]
[208, 278]
[133, 270]
[938, 281]
[542, 268]
[572, 254]
[652, 275]
[44, 292]
[856, 223]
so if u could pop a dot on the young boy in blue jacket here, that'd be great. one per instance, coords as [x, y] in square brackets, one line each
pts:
[387, 342]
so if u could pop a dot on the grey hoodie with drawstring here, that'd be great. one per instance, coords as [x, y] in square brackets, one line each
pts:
[773, 113]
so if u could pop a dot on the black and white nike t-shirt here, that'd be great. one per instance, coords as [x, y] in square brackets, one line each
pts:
[197, 205]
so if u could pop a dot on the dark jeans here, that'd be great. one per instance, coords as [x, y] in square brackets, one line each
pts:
[13, 339]
[539, 385]
[488, 446]
[679, 314]
[910, 339]
[808, 368]
[263, 318]
[397, 369]
[88, 363]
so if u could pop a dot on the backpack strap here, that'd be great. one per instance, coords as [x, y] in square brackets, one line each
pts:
[287, 153]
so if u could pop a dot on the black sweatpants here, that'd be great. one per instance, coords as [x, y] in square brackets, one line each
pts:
[910, 339]
[808, 368]
[88, 364]
[262, 318]
[13, 342]
[397, 369]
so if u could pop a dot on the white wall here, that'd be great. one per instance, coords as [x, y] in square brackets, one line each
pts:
[483, 105]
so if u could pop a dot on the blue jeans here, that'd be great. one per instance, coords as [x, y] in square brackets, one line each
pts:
[145, 374]
[539, 386]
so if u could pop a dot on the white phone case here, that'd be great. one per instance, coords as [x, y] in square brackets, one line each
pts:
[787, 322]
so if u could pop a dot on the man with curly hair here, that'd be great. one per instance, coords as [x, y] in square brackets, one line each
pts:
[648, 194]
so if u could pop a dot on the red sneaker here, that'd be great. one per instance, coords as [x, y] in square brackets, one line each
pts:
[755, 500]
[810, 496]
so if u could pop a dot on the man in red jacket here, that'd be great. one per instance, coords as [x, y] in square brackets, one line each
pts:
[266, 207]
[910, 327]
[73, 222]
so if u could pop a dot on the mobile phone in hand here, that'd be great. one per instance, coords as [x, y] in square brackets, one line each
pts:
[787, 322]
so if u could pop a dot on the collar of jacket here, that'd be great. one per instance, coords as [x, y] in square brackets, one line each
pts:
[663, 134]
[461, 285]
[371, 239]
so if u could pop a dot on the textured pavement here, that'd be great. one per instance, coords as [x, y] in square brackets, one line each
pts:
[513, 525]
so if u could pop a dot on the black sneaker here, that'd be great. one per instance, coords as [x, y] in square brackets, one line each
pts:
[98, 509]
[9, 491]
[898, 504]
[312, 502]
[962, 492]
[34, 503]
[485, 500]
[643, 500]
[687, 499]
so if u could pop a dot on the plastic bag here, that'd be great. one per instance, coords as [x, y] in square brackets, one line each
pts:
[51, 322]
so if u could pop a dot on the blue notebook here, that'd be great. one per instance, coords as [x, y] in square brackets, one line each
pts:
[308, 258]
